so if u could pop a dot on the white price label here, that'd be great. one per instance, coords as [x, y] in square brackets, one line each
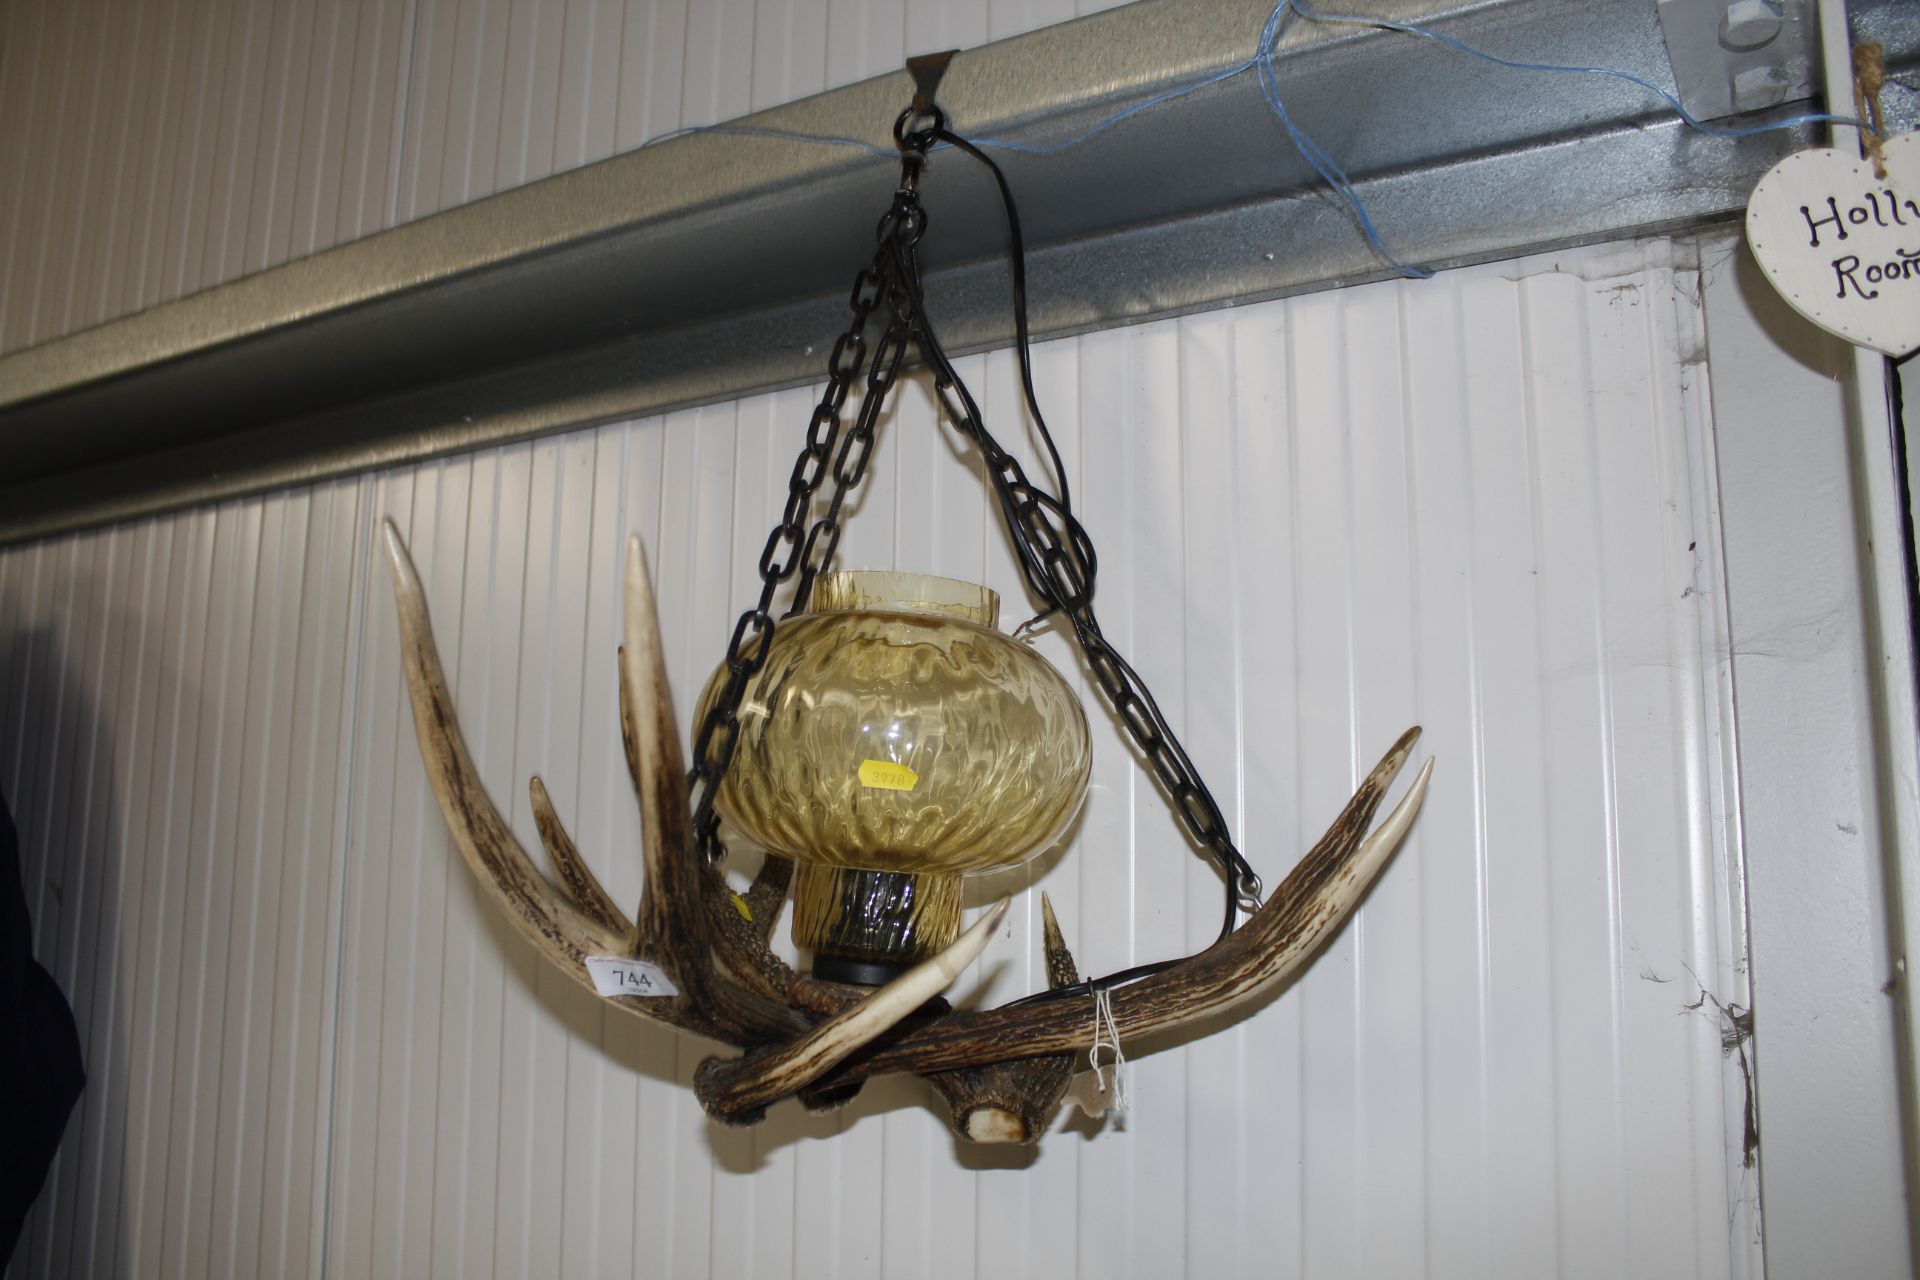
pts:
[619, 976]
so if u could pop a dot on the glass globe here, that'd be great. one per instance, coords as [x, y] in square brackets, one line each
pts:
[893, 742]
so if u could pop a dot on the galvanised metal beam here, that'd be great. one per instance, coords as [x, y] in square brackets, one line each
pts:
[715, 264]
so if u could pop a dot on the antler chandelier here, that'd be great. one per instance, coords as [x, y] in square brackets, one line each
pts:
[884, 736]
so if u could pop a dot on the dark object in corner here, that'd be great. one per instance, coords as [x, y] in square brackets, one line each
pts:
[41, 1073]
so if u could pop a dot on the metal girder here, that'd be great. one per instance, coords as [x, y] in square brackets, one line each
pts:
[717, 264]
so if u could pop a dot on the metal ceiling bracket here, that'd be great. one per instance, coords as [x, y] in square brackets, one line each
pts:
[1739, 55]
[927, 70]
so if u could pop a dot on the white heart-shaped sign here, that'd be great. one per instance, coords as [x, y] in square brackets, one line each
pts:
[1843, 246]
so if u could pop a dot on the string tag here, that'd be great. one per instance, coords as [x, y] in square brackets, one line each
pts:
[1103, 1086]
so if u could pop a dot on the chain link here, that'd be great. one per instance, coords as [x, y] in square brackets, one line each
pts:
[1056, 555]
[1057, 560]
[1054, 564]
[828, 452]
[790, 546]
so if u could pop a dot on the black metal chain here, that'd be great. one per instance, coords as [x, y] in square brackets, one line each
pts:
[786, 552]
[791, 546]
[1056, 555]
[850, 466]
[1057, 560]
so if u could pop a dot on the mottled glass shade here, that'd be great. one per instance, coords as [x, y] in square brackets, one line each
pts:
[894, 730]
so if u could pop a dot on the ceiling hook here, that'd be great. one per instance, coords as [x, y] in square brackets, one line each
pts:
[926, 71]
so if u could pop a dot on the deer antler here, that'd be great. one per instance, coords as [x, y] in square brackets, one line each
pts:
[1308, 907]
[670, 929]
[1013, 1101]
[805, 1036]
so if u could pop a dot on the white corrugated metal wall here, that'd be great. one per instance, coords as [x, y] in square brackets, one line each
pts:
[160, 147]
[1483, 503]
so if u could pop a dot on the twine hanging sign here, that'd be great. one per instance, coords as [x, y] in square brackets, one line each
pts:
[1842, 244]
[1839, 235]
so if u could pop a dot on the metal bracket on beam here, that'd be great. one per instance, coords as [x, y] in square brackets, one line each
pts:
[1732, 56]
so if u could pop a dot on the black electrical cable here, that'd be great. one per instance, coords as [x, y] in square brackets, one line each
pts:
[1237, 872]
[1018, 255]
[1903, 492]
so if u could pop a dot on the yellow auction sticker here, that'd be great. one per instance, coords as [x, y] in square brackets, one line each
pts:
[885, 775]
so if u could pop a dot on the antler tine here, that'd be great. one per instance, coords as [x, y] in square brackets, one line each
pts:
[673, 919]
[581, 884]
[1060, 966]
[1308, 907]
[686, 908]
[557, 929]
[561, 932]
[1014, 1101]
[1000, 1069]
[669, 917]
[768, 893]
[737, 1090]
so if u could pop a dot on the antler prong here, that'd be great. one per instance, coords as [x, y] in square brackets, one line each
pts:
[767, 894]
[1060, 966]
[740, 1088]
[685, 903]
[670, 919]
[559, 930]
[1015, 1101]
[1308, 907]
[1003, 1070]
[580, 882]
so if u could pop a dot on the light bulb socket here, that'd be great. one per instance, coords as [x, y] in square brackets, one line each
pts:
[858, 920]
[859, 973]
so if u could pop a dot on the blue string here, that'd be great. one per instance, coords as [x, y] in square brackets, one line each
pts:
[1460, 46]
[1323, 164]
[1263, 63]
[1336, 178]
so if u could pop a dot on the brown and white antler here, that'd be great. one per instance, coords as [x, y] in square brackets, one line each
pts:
[671, 929]
[1001, 1070]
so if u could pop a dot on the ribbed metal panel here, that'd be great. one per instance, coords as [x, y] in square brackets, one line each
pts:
[159, 148]
[165, 147]
[1482, 503]
[175, 695]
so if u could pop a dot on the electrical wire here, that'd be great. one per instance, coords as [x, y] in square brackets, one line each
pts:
[1240, 880]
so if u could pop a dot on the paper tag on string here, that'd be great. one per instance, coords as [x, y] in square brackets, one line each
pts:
[620, 976]
[1089, 1089]
[1103, 1086]
[1841, 244]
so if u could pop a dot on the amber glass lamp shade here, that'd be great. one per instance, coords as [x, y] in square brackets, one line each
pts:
[894, 742]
